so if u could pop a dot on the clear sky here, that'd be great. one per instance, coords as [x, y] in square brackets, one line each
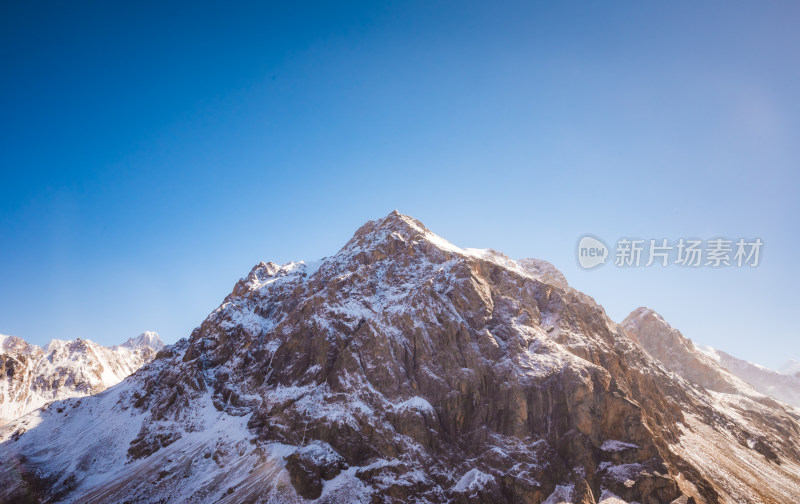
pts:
[152, 153]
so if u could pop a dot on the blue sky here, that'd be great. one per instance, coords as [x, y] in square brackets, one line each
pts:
[152, 154]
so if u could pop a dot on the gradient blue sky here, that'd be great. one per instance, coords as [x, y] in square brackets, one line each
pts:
[151, 154]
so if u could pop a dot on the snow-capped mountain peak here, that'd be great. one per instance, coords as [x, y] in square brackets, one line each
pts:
[146, 339]
[398, 235]
[13, 344]
[678, 353]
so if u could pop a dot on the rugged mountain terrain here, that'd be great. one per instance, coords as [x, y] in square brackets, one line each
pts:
[405, 369]
[31, 376]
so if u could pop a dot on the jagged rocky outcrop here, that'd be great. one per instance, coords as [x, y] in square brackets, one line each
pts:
[31, 377]
[405, 369]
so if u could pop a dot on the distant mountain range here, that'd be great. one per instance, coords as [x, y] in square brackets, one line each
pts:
[31, 377]
[783, 385]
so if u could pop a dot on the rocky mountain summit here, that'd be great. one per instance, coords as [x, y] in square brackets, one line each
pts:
[31, 376]
[406, 369]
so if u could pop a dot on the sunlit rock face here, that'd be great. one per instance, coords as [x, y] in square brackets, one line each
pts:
[406, 369]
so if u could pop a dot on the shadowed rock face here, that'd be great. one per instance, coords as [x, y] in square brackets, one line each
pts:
[404, 369]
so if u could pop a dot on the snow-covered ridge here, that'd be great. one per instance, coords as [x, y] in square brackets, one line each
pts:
[536, 268]
[396, 226]
[680, 355]
[706, 366]
[32, 376]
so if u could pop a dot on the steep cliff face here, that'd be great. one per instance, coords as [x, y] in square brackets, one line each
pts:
[31, 376]
[405, 369]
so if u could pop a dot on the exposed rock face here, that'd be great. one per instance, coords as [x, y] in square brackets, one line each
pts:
[31, 377]
[405, 369]
[728, 381]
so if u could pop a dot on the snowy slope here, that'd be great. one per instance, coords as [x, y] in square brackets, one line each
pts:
[33, 376]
